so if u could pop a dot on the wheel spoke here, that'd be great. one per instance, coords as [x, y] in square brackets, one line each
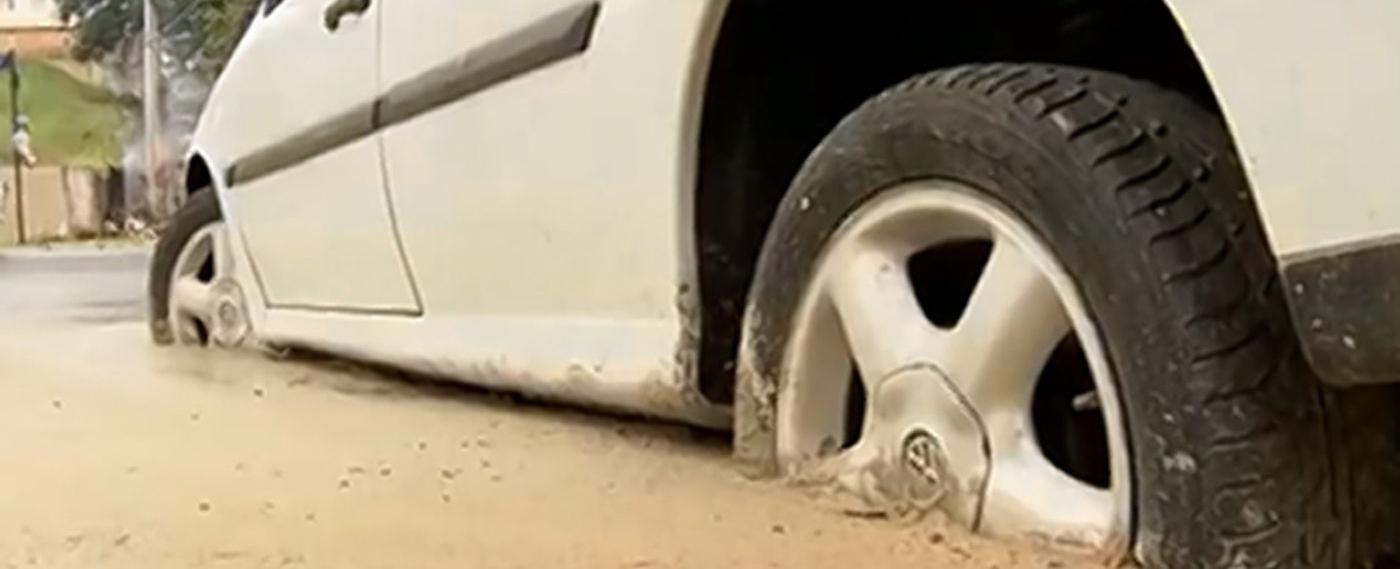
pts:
[816, 397]
[885, 328]
[191, 298]
[1027, 495]
[222, 251]
[1012, 323]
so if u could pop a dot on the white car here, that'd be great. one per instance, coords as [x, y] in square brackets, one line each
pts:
[1060, 300]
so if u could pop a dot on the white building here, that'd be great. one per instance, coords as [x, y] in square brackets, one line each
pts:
[33, 27]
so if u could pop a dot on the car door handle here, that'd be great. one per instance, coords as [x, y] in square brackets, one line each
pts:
[341, 8]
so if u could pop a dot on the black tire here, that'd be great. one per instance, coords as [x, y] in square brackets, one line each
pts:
[1141, 196]
[202, 209]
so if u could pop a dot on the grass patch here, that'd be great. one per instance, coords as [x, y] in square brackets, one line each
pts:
[72, 122]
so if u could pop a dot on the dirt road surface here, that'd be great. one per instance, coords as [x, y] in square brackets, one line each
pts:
[116, 453]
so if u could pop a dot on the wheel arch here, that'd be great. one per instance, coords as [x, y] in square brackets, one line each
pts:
[777, 84]
[198, 177]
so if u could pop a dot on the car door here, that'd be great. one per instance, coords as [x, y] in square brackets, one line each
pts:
[306, 187]
[456, 74]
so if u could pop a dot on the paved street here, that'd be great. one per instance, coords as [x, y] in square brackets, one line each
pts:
[78, 285]
[120, 454]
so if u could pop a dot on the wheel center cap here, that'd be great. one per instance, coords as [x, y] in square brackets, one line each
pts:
[936, 449]
[924, 457]
[230, 315]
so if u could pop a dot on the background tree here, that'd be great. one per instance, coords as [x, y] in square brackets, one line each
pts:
[196, 38]
[200, 34]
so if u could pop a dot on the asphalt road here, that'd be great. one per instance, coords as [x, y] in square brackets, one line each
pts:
[82, 285]
[116, 453]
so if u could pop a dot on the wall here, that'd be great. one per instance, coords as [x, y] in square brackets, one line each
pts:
[36, 41]
[29, 13]
[59, 202]
[33, 28]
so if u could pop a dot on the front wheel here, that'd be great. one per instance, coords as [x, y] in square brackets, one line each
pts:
[193, 296]
[1038, 298]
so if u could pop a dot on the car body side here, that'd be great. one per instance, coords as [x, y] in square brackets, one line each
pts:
[538, 232]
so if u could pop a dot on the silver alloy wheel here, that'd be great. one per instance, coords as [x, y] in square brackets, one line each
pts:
[206, 304]
[947, 417]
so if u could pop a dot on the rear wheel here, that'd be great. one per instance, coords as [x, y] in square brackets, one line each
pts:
[1038, 298]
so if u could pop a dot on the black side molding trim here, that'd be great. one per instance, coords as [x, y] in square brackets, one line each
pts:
[557, 37]
[339, 131]
[552, 39]
[1345, 303]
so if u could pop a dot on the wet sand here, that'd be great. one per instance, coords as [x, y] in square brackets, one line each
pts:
[120, 454]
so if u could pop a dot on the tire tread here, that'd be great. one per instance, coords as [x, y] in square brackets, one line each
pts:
[1201, 246]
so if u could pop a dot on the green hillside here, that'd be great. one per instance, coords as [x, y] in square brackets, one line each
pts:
[73, 122]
